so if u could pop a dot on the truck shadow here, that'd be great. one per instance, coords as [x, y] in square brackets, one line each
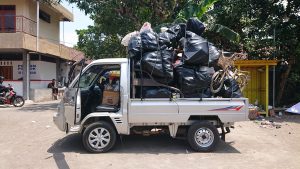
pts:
[39, 107]
[136, 144]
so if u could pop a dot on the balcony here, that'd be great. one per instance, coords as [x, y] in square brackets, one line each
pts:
[13, 24]
[19, 32]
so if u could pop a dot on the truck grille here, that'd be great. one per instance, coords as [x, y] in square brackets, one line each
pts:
[118, 120]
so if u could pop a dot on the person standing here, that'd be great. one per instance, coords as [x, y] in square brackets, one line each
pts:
[54, 88]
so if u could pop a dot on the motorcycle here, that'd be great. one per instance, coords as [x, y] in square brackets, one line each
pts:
[11, 98]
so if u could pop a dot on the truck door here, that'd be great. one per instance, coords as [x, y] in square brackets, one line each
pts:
[87, 94]
[72, 96]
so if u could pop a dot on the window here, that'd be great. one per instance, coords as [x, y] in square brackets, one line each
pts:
[45, 17]
[106, 72]
[7, 18]
[88, 77]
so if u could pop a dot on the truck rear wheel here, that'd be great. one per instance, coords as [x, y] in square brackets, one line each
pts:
[203, 136]
[99, 137]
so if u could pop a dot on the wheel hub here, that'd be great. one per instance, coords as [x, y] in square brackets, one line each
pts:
[204, 137]
[99, 138]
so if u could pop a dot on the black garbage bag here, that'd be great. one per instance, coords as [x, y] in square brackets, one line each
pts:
[137, 64]
[171, 37]
[196, 50]
[193, 81]
[153, 92]
[149, 41]
[168, 39]
[159, 65]
[230, 89]
[157, 93]
[195, 25]
[205, 93]
[134, 47]
[214, 55]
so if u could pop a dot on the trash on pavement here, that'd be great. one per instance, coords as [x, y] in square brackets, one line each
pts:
[294, 109]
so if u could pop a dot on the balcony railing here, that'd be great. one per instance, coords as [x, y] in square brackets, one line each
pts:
[13, 23]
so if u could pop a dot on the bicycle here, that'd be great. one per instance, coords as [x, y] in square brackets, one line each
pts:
[229, 71]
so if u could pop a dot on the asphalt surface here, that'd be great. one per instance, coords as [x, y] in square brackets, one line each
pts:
[29, 140]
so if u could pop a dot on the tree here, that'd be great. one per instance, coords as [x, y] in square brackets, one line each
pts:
[116, 18]
[268, 29]
[97, 45]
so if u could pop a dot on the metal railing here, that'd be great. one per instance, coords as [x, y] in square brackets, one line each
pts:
[13, 23]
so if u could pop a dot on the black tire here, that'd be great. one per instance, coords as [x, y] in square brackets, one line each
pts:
[217, 82]
[91, 130]
[18, 101]
[202, 127]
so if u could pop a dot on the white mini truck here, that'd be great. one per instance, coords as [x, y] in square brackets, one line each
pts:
[82, 110]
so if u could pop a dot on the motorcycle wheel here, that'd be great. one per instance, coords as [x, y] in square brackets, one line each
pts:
[18, 101]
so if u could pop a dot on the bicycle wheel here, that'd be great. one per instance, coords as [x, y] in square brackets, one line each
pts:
[217, 81]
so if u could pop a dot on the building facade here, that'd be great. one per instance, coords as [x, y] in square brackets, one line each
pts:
[31, 54]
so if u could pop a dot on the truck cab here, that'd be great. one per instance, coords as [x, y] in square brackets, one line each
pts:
[102, 103]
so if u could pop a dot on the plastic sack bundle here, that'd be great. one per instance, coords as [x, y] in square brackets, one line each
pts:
[134, 46]
[168, 39]
[196, 50]
[157, 93]
[171, 37]
[159, 65]
[193, 81]
[149, 41]
[214, 55]
[195, 25]
[230, 89]
[153, 92]
[205, 93]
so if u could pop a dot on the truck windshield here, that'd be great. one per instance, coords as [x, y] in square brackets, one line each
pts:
[89, 76]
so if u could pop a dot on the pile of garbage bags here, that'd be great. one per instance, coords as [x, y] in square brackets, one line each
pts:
[179, 57]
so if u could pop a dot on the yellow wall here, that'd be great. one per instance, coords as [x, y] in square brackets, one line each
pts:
[256, 88]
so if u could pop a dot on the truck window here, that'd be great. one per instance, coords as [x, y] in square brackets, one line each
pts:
[88, 77]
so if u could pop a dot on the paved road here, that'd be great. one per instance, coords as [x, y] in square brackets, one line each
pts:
[30, 140]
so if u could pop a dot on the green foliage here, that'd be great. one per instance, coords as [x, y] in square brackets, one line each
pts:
[226, 32]
[97, 45]
[194, 8]
[256, 20]
[232, 24]
[293, 84]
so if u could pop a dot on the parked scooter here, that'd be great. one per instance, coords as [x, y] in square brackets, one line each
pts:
[11, 98]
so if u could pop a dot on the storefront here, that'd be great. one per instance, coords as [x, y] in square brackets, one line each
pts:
[42, 70]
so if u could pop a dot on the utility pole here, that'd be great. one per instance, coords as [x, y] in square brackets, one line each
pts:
[274, 57]
[37, 24]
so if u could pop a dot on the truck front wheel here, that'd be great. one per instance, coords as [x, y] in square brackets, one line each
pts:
[203, 136]
[99, 137]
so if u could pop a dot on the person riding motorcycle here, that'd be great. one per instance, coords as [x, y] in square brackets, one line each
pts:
[3, 89]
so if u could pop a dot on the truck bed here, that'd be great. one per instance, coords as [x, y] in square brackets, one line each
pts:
[180, 110]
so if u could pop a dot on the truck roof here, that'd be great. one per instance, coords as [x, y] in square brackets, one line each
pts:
[110, 60]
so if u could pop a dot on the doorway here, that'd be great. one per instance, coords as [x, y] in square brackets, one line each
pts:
[6, 72]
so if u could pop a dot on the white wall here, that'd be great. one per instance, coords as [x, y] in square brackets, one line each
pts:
[39, 70]
[17, 85]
